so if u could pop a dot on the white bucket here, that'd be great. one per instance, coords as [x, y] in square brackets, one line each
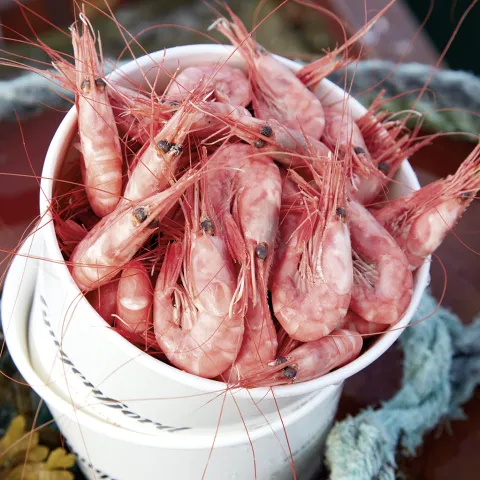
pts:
[55, 368]
[147, 387]
[108, 450]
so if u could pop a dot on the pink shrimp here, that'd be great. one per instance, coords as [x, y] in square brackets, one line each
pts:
[157, 163]
[355, 323]
[230, 84]
[198, 325]
[135, 298]
[104, 300]
[383, 283]
[257, 204]
[99, 140]
[310, 360]
[204, 124]
[137, 115]
[291, 213]
[276, 91]
[207, 124]
[389, 144]
[342, 133]
[117, 237]
[341, 130]
[291, 148]
[420, 221]
[312, 285]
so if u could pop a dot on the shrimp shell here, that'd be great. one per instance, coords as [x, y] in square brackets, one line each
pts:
[104, 301]
[99, 140]
[230, 84]
[355, 323]
[277, 93]
[383, 283]
[197, 330]
[117, 237]
[312, 284]
[135, 298]
[420, 221]
[310, 360]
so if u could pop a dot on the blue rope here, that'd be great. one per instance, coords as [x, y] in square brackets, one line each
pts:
[441, 372]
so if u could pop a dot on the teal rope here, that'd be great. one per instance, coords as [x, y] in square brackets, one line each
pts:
[441, 372]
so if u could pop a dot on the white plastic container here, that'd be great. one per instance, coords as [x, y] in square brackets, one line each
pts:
[145, 386]
[54, 368]
[111, 451]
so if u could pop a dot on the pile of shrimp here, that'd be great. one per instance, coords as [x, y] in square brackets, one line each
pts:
[236, 226]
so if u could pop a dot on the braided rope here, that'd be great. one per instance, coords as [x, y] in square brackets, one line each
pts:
[441, 370]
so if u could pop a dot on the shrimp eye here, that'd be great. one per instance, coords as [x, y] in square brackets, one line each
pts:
[359, 151]
[266, 131]
[259, 143]
[174, 103]
[140, 214]
[85, 86]
[289, 372]
[176, 149]
[207, 226]
[465, 196]
[383, 167]
[261, 251]
[164, 146]
[280, 360]
[341, 213]
[100, 84]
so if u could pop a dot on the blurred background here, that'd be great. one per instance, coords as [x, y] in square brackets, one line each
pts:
[293, 31]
